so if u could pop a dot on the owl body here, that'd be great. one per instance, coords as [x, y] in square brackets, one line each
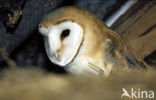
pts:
[77, 40]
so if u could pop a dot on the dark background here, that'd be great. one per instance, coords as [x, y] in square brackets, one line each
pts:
[19, 38]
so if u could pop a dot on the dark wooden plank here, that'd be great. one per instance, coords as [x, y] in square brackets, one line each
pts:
[139, 28]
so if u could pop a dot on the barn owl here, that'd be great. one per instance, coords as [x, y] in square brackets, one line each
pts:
[78, 41]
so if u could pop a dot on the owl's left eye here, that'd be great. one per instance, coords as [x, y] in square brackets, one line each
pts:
[65, 33]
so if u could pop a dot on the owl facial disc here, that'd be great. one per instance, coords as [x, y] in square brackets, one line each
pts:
[62, 41]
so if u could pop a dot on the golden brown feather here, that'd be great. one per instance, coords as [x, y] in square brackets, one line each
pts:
[102, 47]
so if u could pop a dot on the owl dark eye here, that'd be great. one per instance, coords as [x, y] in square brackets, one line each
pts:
[65, 33]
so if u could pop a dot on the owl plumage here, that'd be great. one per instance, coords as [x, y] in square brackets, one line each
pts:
[77, 40]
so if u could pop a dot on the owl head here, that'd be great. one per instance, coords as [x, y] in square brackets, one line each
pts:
[67, 31]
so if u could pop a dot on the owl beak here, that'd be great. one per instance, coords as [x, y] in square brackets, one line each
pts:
[57, 56]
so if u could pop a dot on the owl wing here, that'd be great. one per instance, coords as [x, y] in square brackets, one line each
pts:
[118, 53]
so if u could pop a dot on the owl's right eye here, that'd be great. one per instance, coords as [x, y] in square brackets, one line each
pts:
[65, 33]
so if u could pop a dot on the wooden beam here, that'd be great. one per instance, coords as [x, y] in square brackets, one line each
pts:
[138, 27]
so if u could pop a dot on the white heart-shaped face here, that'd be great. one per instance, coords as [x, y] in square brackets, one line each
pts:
[62, 41]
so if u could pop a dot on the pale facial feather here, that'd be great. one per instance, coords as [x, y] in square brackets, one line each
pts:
[70, 44]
